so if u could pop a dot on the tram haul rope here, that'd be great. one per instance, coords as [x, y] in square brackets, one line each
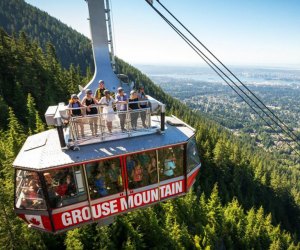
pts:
[259, 107]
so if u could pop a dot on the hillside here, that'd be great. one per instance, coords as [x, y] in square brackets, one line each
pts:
[223, 105]
[16, 16]
[243, 198]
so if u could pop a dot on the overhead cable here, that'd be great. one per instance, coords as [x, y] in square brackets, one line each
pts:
[218, 70]
[295, 138]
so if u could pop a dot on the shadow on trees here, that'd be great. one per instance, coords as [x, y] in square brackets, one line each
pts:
[239, 182]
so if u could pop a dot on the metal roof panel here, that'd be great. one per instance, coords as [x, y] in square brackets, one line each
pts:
[50, 155]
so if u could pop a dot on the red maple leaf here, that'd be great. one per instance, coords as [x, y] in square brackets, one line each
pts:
[34, 221]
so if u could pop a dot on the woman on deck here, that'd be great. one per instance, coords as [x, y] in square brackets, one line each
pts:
[108, 111]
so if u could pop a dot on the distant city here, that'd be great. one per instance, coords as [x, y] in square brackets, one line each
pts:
[203, 90]
[250, 76]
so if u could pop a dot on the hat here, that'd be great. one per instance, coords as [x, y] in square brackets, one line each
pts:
[74, 96]
[132, 91]
[141, 87]
[101, 81]
[120, 89]
[88, 91]
[106, 92]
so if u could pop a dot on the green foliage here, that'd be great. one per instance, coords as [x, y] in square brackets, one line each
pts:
[13, 233]
[31, 114]
[15, 133]
[73, 241]
[31, 80]
[39, 125]
[3, 113]
[16, 16]
[254, 205]
[34, 122]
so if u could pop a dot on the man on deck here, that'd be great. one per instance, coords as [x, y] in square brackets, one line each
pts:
[100, 91]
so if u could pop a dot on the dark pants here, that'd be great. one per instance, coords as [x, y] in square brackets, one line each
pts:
[143, 115]
[134, 116]
[122, 117]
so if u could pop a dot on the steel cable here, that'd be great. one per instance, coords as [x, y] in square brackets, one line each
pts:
[255, 96]
[210, 63]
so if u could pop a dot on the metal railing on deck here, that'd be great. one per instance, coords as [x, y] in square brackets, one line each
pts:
[111, 124]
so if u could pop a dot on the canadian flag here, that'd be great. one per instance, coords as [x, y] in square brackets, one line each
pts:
[35, 220]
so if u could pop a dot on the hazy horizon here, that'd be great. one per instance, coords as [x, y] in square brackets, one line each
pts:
[262, 66]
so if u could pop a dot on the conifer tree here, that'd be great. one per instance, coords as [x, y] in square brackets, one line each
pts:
[39, 125]
[31, 114]
[73, 241]
[3, 113]
[213, 229]
[15, 134]
[73, 79]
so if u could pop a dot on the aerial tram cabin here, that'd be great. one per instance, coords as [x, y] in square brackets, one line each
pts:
[75, 173]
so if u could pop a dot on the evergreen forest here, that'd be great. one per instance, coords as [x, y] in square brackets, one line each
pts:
[244, 197]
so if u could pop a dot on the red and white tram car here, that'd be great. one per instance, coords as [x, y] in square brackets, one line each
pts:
[75, 174]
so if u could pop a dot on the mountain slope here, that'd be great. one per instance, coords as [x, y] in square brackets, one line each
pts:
[254, 193]
[16, 16]
[209, 218]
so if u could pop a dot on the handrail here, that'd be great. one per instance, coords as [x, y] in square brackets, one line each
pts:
[105, 105]
[107, 124]
[63, 116]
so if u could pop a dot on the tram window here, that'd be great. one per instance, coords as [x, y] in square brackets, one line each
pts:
[29, 194]
[104, 178]
[193, 159]
[170, 162]
[65, 186]
[141, 169]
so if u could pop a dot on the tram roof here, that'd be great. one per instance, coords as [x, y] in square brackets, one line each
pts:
[43, 151]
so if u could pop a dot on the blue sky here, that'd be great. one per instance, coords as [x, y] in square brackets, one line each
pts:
[256, 32]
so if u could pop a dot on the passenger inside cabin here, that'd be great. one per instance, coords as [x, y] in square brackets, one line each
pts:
[130, 164]
[24, 204]
[92, 171]
[66, 187]
[34, 182]
[71, 188]
[100, 184]
[137, 174]
[144, 158]
[142, 169]
[115, 178]
[152, 170]
[142, 97]
[91, 110]
[104, 178]
[61, 189]
[51, 189]
[48, 179]
[75, 105]
[31, 195]
[169, 165]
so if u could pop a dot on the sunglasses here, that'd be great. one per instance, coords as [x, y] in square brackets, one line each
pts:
[89, 93]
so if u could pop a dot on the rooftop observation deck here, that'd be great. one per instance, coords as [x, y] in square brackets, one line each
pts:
[103, 126]
[107, 124]
[43, 151]
[86, 138]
